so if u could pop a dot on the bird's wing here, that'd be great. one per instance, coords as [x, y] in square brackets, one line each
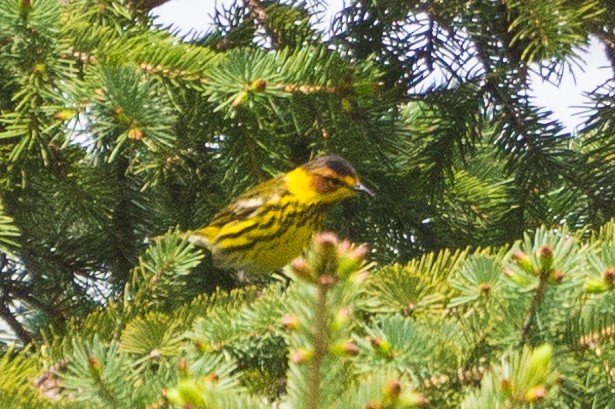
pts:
[250, 202]
[246, 205]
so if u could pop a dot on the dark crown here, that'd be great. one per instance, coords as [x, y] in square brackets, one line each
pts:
[333, 162]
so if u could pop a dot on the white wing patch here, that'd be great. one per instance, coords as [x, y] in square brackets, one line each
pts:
[250, 203]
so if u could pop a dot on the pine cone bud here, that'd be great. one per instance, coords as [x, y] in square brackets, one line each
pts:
[64, 114]
[484, 288]
[240, 100]
[535, 394]
[351, 348]
[347, 348]
[506, 386]
[201, 346]
[327, 280]
[302, 356]
[523, 261]
[608, 275]
[182, 367]
[94, 365]
[302, 269]
[290, 322]
[135, 133]
[557, 276]
[39, 68]
[381, 346]
[120, 115]
[341, 319]
[212, 377]
[351, 258]
[325, 248]
[392, 389]
[259, 85]
[359, 279]
[409, 399]
[545, 255]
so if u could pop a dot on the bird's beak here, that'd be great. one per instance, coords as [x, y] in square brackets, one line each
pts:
[360, 188]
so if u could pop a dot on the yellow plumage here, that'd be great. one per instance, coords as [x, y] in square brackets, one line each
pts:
[269, 225]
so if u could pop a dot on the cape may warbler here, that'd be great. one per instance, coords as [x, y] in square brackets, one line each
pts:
[269, 225]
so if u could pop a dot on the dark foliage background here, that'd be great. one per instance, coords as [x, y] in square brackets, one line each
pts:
[113, 130]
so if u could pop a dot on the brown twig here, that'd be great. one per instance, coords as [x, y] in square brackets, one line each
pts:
[538, 296]
[321, 345]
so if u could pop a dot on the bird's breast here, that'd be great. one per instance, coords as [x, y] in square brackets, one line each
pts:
[271, 240]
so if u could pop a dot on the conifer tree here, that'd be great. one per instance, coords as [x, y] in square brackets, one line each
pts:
[489, 279]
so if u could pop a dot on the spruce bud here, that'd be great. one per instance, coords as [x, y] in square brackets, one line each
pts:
[135, 133]
[325, 247]
[347, 348]
[189, 393]
[540, 360]
[545, 255]
[523, 261]
[514, 277]
[64, 114]
[302, 356]
[212, 377]
[94, 365]
[608, 275]
[595, 286]
[392, 389]
[290, 322]
[182, 367]
[484, 288]
[409, 399]
[506, 386]
[351, 258]
[351, 348]
[39, 68]
[557, 276]
[240, 100]
[173, 396]
[341, 318]
[535, 394]
[382, 347]
[302, 268]
[258, 85]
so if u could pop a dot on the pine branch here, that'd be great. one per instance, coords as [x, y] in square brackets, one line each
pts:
[538, 297]
[146, 5]
[13, 323]
[321, 342]
[609, 42]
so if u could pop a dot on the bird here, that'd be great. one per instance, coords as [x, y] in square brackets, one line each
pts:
[270, 224]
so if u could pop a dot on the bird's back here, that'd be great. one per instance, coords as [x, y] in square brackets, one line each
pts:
[262, 230]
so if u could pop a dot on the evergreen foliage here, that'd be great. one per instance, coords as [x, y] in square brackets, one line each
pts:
[491, 236]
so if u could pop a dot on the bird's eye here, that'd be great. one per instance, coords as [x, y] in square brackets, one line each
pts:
[336, 183]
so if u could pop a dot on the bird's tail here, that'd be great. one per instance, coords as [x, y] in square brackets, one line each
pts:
[200, 237]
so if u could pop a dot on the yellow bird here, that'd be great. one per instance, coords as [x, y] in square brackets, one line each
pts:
[269, 225]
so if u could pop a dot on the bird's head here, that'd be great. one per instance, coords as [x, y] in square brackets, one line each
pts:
[327, 179]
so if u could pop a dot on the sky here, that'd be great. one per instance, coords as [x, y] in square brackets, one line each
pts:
[565, 99]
